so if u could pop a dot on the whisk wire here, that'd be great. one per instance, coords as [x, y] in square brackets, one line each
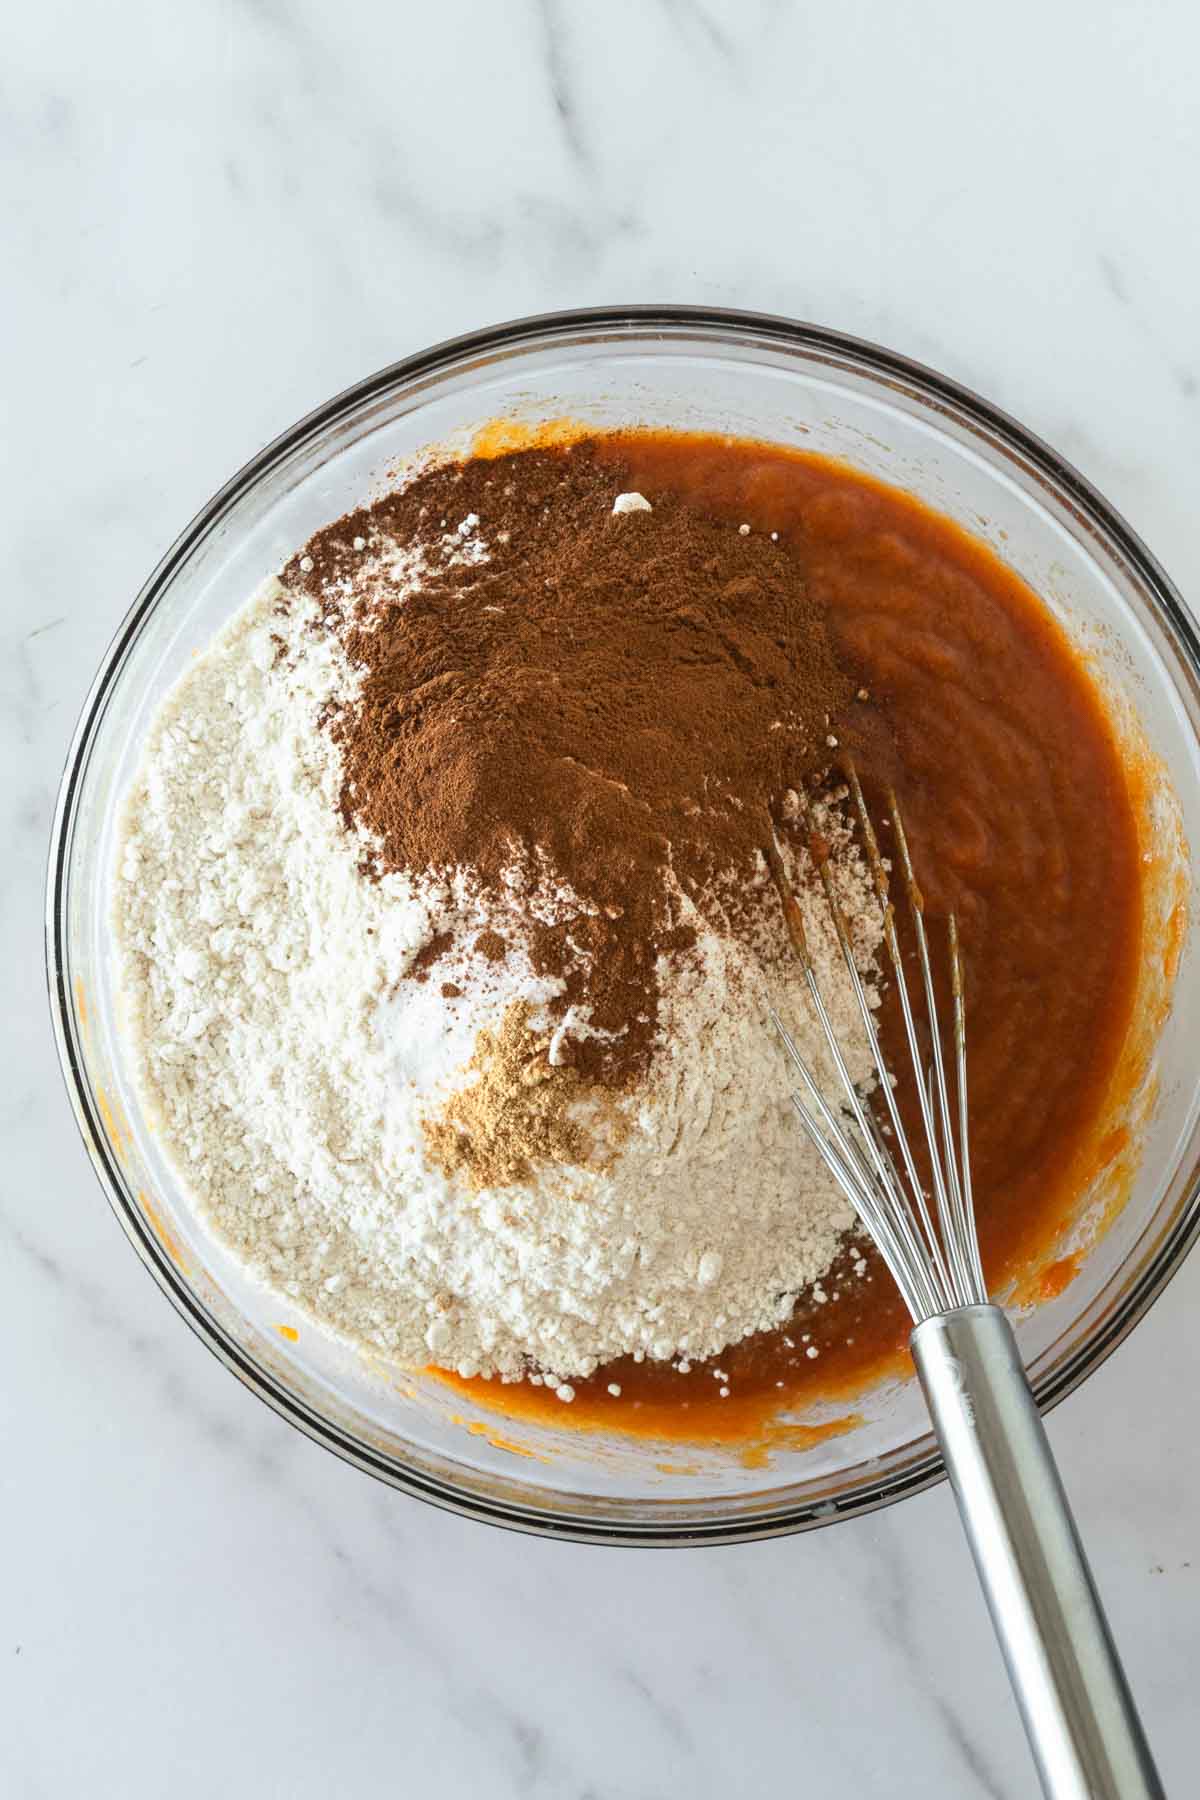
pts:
[970, 1231]
[935, 1265]
[891, 1226]
[879, 876]
[883, 1167]
[879, 1201]
[946, 1182]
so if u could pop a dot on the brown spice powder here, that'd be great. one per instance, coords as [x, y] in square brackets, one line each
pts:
[520, 1110]
[613, 703]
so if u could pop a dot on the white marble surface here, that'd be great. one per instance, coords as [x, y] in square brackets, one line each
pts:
[221, 214]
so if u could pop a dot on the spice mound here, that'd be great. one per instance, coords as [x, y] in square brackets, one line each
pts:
[594, 725]
[449, 936]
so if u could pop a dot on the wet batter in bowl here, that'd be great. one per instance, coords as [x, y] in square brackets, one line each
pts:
[498, 986]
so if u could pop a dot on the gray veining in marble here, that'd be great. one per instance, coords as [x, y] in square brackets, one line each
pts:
[217, 215]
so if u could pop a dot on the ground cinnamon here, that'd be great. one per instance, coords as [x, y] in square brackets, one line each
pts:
[614, 704]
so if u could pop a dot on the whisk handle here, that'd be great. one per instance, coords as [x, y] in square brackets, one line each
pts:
[1078, 1712]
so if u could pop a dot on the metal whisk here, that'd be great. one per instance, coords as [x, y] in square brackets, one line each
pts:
[1078, 1712]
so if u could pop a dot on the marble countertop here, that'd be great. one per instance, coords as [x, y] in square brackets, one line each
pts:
[222, 213]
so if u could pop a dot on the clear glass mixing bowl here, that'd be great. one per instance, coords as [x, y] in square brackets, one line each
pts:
[671, 366]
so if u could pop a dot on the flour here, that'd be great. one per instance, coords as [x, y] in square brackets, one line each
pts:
[291, 1068]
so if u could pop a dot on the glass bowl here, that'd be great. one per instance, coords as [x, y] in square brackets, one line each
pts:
[686, 368]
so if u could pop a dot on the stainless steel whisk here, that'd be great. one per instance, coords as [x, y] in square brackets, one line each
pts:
[1078, 1712]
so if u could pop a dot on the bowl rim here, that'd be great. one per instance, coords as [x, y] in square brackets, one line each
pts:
[527, 333]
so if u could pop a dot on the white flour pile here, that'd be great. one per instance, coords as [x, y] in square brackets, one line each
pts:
[292, 1070]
